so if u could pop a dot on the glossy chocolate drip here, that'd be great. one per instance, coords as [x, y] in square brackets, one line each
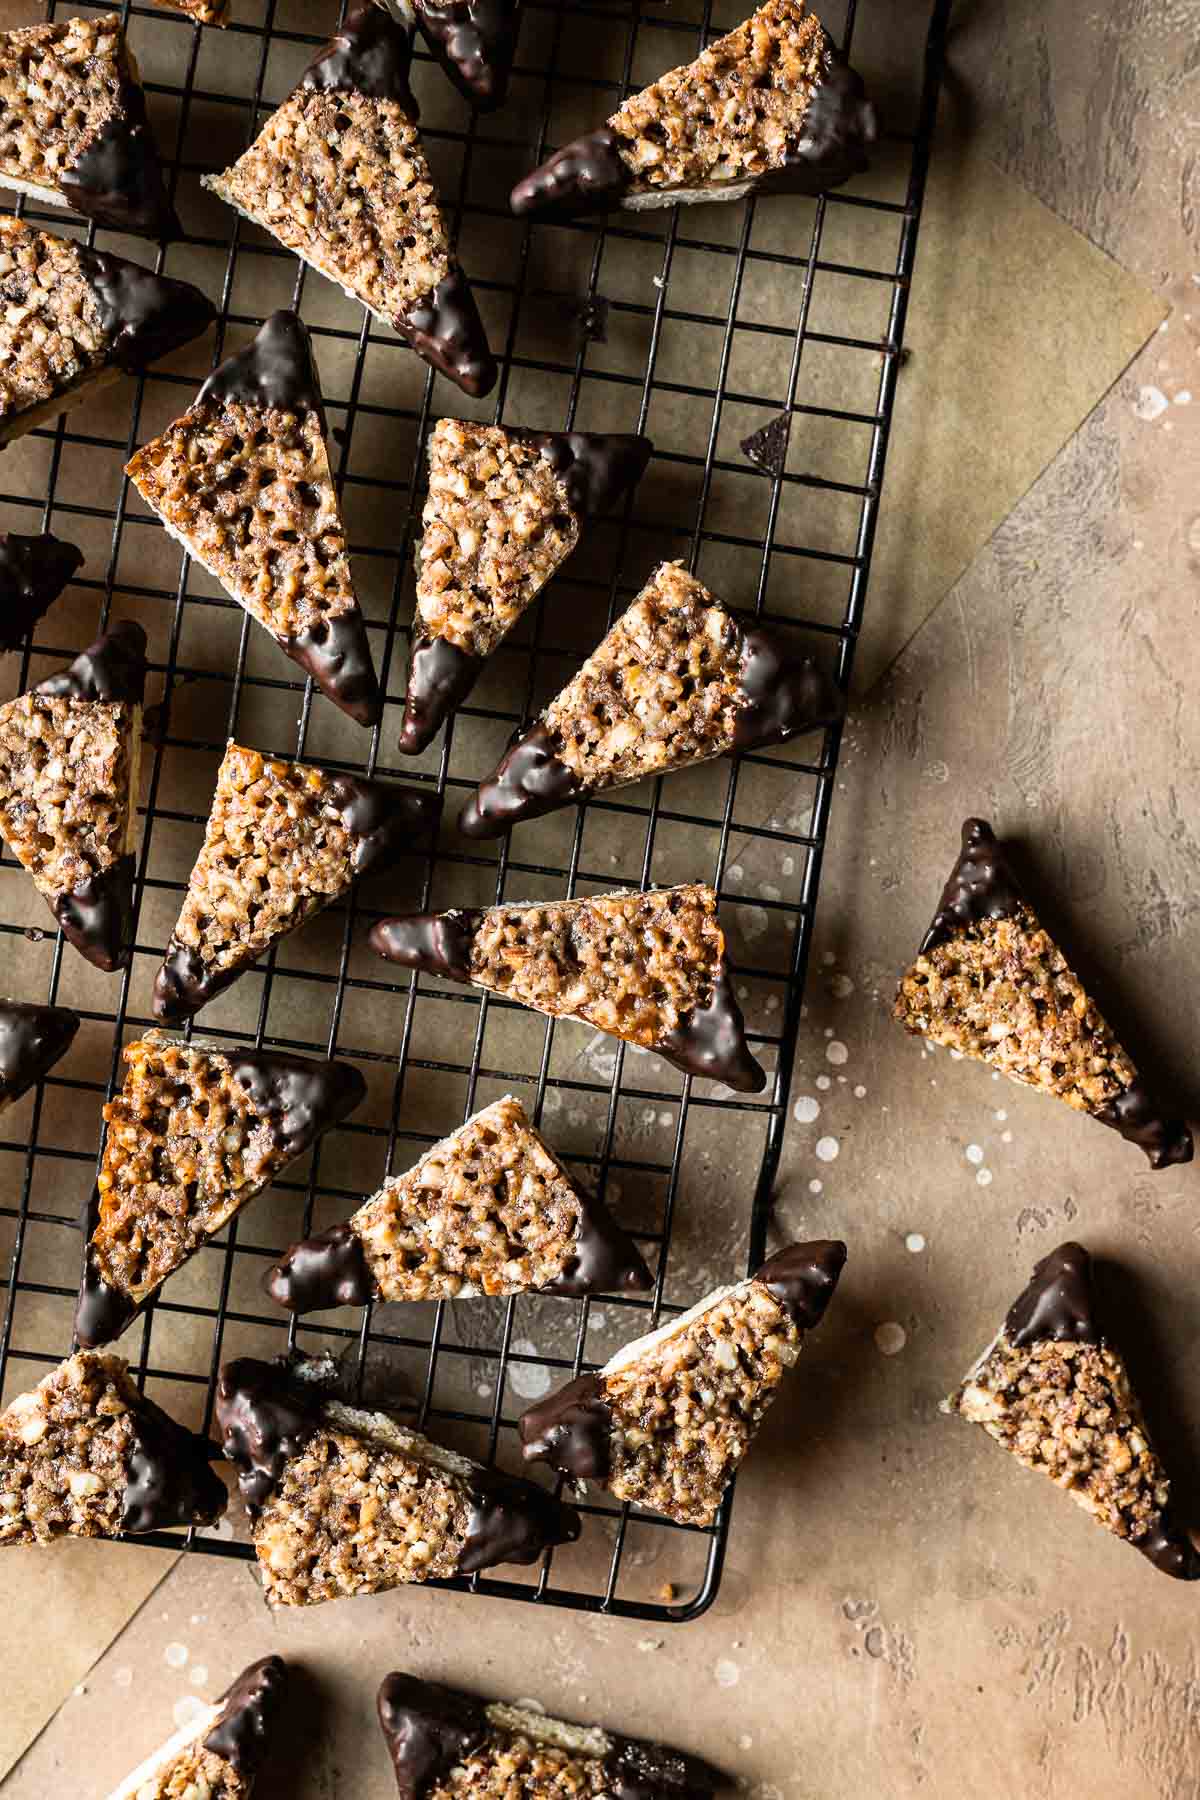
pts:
[782, 692]
[711, 1040]
[143, 315]
[438, 943]
[32, 1039]
[1171, 1549]
[113, 668]
[767, 447]
[170, 1481]
[586, 175]
[264, 1420]
[428, 1729]
[440, 676]
[640, 1771]
[33, 573]
[604, 1260]
[445, 328]
[386, 820]
[982, 886]
[337, 654]
[1058, 1305]
[512, 1520]
[1138, 1119]
[571, 1430]
[328, 1269]
[298, 1097]
[248, 1712]
[186, 982]
[102, 1312]
[803, 1278]
[474, 41]
[97, 916]
[529, 781]
[274, 372]
[595, 467]
[838, 129]
[370, 55]
[117, 178]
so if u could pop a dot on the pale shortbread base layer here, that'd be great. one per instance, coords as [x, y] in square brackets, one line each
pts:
[540, 1728]
[47, 410]
[182, 1740]
[633, 1352]
[388, 1434]
[47, 196]
[135, 771]
[659, 197]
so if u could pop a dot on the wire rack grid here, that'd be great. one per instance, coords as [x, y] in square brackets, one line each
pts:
[441, 1050]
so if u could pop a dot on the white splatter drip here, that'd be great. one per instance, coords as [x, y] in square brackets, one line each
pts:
[530, 1380]
[1006, 1137]
[841, 987]
[974, 1153]
[198, 1675]
[736, 873]
[1150, 404]
[726, 1673]
[806, 1110]
[827, 1149]
[187, 1710]
[815, 1186]
[1183, 397]
[983, 1177]
[175, 1655]
[890, 1338]
[754, 921]
[123, 1676]
[914, 1242]
[824, 1082]
[836, 1052]
[1000, 1115]
[860, 1092]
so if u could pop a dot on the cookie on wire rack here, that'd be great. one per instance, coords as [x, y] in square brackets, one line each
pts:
[242, 480]
[1054, 1391]
[32, 1039]
[343, 1501]
[84, 1454]
[218, 1754]
[196, 1131]
[505, 510]
[338, 176]
[76, 319]
[991, 983]
[34, 570]
[283, 840]
[446, 1743]
[488, 1210]
[69, 751]
[649, 968]
[667, 1422]
[678, 681]
[771, 107]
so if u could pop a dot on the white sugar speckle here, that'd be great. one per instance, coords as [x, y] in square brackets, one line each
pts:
[983, 1177]
[1000, 1115]
[771, 893]
[175, 1655]
[836, 1052]
[187, 1710]
[1006, 1137]
[828, 1031]
[530, 1380]
[891, 1338]
[816, 1187]
[823, 1082]
[974, 1153]
[827, 1149]
[1150, 403]
[914, 1242]
[788, 866]
[664, 1118]
[745, 1741]
[123, 1676]
[726, 1673]
[736, 873]
[1183, 397]
[806, 1110]
[841, 986]
[860, 1092]
[198, 1675]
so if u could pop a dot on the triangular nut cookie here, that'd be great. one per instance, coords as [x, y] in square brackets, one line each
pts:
[678, 680]
[338, 176]
[1054, 1391]
[217, 1755]
[505, 509]
[283, 840]
[769, 108]
[649, 968]
[991, 983]
[243, 482]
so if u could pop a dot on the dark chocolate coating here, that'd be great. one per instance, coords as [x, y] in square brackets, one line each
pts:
[440, 676]
[33, 573]
[446, 329]
[264, 1420]
[767, 447]
[803, 1278]
[1171, 1549]
[474, 41]
[595, 467]
[605, 1259]
[337, 654]
[170, 1479]
[981, 886]
[274, 372]
[570, 1430]
[711, 1041]
[97, 917]
[370, 55]
[529, 781]
[585, 176]
[117, 179]
[640, 1771]
[839, 128]
[298, 1096]
[102, 1312]
[1058, 1305]
[32, 1039]
[428, 1728]
[186, 983]
[143, 315]
[249, 1709]
[438, 943]
[1137, 1117]
[783, 692]
[328, 1269]
[112, 668]
[512, 1520]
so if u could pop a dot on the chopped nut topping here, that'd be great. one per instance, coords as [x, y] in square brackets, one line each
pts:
[205, 12]
[195, 1774]
[60, 84]
[517, 1765]
[66, 771]
[51, 338]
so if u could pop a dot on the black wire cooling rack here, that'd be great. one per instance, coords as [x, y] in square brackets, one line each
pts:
[433, 1054]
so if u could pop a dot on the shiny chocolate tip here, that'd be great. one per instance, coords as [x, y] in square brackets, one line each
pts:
[1058, 1305]
[1172, 1548]
[803, 1278]
[474, 41]
[530, 781]
[34, 570]
[436, 943]
[445, 328]
[97, 916]
[112, 668]
[428, 1729]
[102, 1312]
[275, 371]
[326, 1270]
[570, 1430]
[585, 176]
[440, 676]
[249, 1709]
[710, 1041]
[185, 983]
[299, 1097]
[32, 1040]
